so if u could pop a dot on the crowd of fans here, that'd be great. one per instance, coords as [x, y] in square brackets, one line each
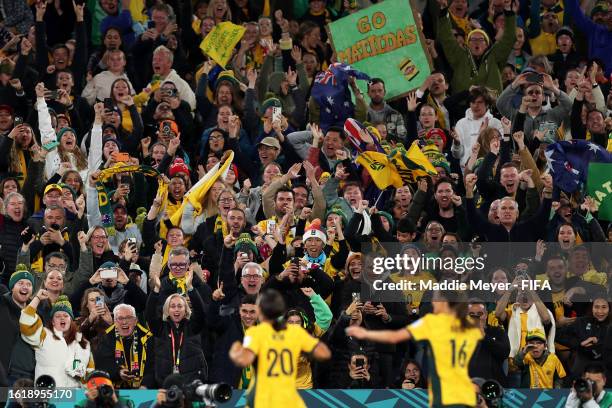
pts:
[98, 274]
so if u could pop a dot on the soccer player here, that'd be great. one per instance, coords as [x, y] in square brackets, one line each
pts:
[451, 338]
[275, 347]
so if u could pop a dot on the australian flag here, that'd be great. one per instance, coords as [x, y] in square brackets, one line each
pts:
[568, 162]
[330, 91]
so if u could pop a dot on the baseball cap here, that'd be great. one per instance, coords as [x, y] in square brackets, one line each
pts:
[51, 187]
[270, 141]
[536, 334]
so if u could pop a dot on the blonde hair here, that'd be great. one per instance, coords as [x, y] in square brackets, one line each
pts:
[79, 157]
[211, 6]
[166, 308]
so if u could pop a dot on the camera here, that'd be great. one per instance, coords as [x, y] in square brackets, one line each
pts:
[169, 92]
[581, 385]
[105, 392]
[174, 397]
[42, 382]
[493, 393]
[210, 394]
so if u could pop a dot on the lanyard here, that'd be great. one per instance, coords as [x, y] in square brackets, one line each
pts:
[176, 352]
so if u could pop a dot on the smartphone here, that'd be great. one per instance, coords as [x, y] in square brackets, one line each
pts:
[54, 94]
[108, 104]
[132, 240]
[296, 260]
[276, 113]
[150, 24]
[110, 273]
[359, 362]
[18, 121]
[270, 226]
[535, 77]
[125, 179]
[99, 301]
[356, 297]
[120, 157]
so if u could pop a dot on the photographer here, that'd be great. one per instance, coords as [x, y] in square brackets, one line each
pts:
[101, 394]
[588, 391]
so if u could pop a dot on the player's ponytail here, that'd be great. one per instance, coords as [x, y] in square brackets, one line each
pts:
[272, 307]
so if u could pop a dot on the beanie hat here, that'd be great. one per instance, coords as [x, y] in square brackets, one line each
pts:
[245, 243]
[436, 132]
[106, 139]
[389, 218]
[270, 102]
[314, 230]
[62, 305]
[111, 127]
[63, 131]
[108, 265]
[21, 272]
[600, 7]
[178, 166]
[337, 211]
[227, 76]
[479, 31]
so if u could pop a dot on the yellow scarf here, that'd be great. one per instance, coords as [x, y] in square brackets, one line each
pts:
[136, 363]
[126, 121]
[23, 168]
[181, 283]
[221, 225]
[166, 254]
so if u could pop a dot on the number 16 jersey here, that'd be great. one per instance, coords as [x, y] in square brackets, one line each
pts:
[449, 350]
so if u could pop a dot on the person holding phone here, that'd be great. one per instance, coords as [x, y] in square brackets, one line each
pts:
[539, 367]
[116, 286]
[95, 316]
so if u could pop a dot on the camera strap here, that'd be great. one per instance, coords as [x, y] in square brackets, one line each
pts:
[176, 351]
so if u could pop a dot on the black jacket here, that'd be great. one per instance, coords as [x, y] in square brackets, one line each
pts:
[226, 323]
[16, 364]
[490, 355]
[104, 357]
[10, 242]
[581, 329]
[192, 364]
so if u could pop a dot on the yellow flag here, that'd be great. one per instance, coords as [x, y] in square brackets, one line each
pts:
[220, 42]
[383, 173]
[411, 164]
[197, 194]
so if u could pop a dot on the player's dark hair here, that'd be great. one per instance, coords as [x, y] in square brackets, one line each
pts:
[272, 307]
[283, 190]
[458, 303]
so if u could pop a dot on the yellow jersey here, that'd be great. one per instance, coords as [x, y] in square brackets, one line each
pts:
[277, 354]
[543, 376]
[449, 352]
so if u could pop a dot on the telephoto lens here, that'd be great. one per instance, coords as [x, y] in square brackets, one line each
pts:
[212, 393]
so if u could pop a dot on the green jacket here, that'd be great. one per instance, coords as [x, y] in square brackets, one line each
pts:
[466, 72]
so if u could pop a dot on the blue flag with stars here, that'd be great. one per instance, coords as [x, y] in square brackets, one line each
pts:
[568, 162]
[331, 92]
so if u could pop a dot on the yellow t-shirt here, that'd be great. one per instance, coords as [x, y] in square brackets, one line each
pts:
[449, 352]
[263, 225]
[277, 354]
[413, 297]
[543, 376]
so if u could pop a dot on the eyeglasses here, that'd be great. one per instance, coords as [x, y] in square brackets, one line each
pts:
[226, 200]
[125, 318]
[253, 277]
[57, 267]
[477, 40]
[178, 265]
[216, 137]
[534, 93]
[476, 315]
